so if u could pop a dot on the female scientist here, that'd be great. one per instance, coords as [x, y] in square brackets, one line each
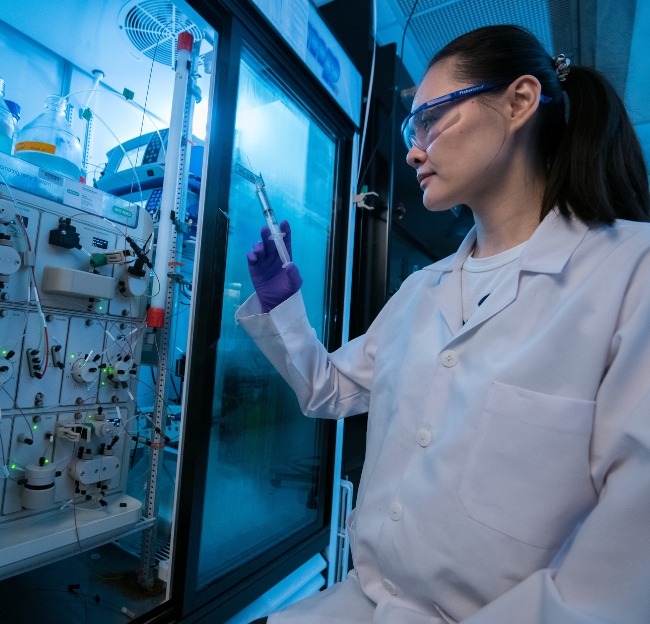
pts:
[507, 473]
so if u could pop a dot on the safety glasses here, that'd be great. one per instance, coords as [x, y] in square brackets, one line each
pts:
[423, 126]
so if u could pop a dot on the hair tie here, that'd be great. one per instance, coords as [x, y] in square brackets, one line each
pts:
[562, 68]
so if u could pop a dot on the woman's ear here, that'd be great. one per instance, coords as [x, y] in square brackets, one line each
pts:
[522, 100]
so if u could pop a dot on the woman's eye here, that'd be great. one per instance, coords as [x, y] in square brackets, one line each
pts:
[428, 120]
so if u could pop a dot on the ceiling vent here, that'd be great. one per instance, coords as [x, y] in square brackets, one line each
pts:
[153, 26]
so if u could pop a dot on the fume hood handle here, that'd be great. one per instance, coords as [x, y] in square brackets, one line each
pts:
[218, 272]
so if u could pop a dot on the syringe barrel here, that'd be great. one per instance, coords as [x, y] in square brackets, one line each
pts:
[269, 215]
[276, 235]
[278, 239]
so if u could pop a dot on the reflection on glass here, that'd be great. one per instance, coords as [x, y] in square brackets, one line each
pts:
[132, 158]
[264, 461]
[405, 259]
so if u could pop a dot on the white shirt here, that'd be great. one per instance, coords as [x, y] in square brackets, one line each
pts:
[480, 277]
[491, 445]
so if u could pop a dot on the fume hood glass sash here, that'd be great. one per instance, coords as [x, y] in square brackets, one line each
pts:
[265, 482]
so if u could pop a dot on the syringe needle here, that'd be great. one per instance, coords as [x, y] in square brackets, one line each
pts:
[277, 236]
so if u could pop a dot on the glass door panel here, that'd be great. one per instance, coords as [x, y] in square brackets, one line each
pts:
[263, 482]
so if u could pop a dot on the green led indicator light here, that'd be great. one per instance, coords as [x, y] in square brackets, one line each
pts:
[72, 355]
[47, 461]
[103, 383]
[13, 466]
[35, 426]
[4, 352]
[110, 370]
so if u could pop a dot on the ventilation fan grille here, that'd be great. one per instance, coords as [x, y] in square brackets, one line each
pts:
[153, 26]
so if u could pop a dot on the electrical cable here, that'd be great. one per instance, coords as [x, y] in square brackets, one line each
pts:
[82, 594]
[152, 388]
[15, 405]
[38, 375]
[140, 415]
[395, 94]
[178, 396]
[95, 397]
[4, 457]
[146, 96]
[71, 593]
[126, 154]
[124, 235]
[133, 338]
[370, 85]
[36, 517]
[130, 102]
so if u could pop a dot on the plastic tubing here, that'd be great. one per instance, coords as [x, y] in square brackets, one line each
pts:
[141, 108]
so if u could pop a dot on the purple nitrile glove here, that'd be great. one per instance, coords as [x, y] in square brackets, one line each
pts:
[272, 283]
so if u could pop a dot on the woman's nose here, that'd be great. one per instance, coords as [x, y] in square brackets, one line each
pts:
[415, 156]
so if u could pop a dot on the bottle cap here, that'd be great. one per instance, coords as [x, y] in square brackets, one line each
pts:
[14, 109]
[156, 317]
[185, 41]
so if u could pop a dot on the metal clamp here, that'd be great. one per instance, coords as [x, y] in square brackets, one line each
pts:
[360, 199]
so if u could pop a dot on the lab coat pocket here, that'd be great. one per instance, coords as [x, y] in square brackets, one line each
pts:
[527, 471]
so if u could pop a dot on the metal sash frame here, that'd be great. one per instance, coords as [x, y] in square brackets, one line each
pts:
[238, 24]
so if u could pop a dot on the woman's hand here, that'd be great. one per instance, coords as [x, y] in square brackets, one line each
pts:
[273, 284]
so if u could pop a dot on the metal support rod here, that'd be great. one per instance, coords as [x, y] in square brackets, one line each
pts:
[87, 145]
[333, 550]
[167, 258]
[176, 144]
[88, 142]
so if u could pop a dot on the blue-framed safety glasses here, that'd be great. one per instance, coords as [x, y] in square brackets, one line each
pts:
[423, 126]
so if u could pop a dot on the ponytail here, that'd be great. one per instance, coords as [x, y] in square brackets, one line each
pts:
[598, 173]
[594, 161]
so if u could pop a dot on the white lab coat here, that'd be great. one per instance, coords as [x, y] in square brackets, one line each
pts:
[507, 472]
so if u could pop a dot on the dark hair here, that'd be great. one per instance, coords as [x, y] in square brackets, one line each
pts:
[594, 161]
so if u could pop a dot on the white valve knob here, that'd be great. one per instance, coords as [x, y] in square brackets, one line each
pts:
[105, 429]
[9, 260]
[85, 372]
[120, 369]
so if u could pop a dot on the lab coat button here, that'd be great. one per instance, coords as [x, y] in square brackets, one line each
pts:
[389, 587]
[395, 511]
[449, 358]
[424, 438]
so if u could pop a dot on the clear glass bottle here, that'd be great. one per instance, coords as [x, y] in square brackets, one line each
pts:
[7, 123]
[48, 141]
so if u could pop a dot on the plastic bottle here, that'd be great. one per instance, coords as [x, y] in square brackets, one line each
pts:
[48, 141]
[7, 123]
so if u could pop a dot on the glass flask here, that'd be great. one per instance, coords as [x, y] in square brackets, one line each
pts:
[48, 141]
[7, 123]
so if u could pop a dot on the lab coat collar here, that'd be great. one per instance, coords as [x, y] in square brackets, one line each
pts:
[547, 251]
[552, 243]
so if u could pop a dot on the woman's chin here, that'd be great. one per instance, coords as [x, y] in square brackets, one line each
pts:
[436, 204]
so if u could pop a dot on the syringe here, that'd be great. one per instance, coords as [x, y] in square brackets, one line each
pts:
[260, 190]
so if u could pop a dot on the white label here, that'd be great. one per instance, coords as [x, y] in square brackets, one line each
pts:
[81, 196]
